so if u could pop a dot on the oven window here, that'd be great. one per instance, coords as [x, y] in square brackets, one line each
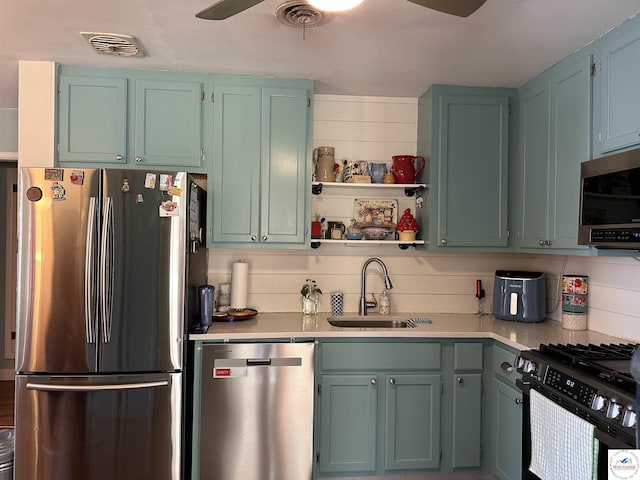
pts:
[612, 198]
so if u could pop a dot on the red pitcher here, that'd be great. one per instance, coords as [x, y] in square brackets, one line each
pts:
[404, 168]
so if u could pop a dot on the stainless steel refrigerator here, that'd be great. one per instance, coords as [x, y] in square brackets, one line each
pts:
[108, 267]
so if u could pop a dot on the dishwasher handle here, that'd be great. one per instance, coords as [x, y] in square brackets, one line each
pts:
[274, 362]
[256, 362]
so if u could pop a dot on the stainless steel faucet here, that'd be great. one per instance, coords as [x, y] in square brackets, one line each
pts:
[364, 304]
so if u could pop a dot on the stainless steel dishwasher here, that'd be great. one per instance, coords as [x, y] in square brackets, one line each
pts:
[256, 412]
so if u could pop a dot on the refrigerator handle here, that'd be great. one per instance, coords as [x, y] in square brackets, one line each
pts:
[106, 269]
[89, 274]
[95, 388]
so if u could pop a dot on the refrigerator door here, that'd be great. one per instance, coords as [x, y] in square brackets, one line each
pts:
[58, 223]
[142, 271]
[98, 427]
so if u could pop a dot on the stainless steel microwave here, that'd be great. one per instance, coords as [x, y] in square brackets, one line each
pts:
[610, 201]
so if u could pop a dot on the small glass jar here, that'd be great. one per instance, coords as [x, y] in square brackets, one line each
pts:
[353, 229]
[310, 304]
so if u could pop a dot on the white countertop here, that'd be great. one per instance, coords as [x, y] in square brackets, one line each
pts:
[519, 335]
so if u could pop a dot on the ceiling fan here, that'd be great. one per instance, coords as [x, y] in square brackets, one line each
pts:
[226, 8]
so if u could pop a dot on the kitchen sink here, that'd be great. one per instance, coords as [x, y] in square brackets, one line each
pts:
[370, 321]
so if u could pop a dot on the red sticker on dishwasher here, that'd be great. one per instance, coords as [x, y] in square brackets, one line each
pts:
[229, 372]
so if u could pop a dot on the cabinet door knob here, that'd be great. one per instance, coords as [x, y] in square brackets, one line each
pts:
[548, 243]
[518, 401]
[373, 381]
[443, 241]
[506, 366]
[253, 238]
[460, 380]
[119, 156]
[138, 158]
[392, 381]
[263, 238]
[541, 243]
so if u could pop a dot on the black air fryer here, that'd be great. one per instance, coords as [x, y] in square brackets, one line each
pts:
[519, 296]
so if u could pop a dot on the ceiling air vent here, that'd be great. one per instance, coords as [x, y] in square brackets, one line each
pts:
[114, 44]
[298, 13]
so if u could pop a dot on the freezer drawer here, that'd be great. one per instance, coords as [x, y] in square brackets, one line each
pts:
[256, 412]
[98, 428]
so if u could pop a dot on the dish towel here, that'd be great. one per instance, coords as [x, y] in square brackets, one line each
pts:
[563, 445]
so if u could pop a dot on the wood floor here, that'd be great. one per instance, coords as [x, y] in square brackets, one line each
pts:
[6, 403]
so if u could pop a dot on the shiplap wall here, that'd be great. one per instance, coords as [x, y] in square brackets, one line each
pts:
[374, 129]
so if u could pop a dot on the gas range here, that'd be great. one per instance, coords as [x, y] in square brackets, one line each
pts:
[591, 381]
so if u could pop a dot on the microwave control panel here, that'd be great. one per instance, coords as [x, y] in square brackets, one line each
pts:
[615, 235]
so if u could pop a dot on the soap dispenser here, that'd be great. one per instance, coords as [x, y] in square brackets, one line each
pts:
[384, 303]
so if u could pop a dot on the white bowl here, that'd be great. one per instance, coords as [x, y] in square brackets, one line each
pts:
[376, 232]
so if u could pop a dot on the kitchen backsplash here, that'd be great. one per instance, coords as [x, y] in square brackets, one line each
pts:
[433, 282]
[374, 129]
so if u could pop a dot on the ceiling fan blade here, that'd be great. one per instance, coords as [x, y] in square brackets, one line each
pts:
[225, 9]
[461, 8]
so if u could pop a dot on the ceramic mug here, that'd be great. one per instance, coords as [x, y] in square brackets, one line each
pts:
[354, 167]
[377, 171]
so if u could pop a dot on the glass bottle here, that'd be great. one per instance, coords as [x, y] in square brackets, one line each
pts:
[384, 303]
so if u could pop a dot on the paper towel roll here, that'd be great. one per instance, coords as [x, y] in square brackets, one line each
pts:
[239, 282]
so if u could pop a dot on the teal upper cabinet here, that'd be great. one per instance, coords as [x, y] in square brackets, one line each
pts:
[464, 131]
[261, 150]
[619, 76]
[236, 170]
[92, 119]
[132, 118]
[555, 113]
[168, 122]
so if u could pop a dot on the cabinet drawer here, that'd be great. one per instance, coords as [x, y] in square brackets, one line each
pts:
[467, 356]
[380, 356]
[503, 364]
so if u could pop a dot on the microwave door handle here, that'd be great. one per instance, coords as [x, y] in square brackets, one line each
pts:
[106, 269]
[89, 274]
[47, 387]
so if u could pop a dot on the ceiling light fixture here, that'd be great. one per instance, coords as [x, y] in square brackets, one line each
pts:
[335, 5]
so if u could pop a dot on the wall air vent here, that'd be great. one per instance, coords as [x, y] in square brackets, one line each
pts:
[114, 44]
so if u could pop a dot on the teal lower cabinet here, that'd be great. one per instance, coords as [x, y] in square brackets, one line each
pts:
[466, 388]
[349, 411]
[378, 408]
[507, 428]
[467, 421]
[505, 423]
[412, 426]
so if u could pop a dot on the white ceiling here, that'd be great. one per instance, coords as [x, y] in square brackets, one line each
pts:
[384, 47]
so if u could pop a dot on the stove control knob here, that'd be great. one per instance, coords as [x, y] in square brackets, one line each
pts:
[629, 418]
[529, 366]
[598, 402]
[519, 362]
[614, 409]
